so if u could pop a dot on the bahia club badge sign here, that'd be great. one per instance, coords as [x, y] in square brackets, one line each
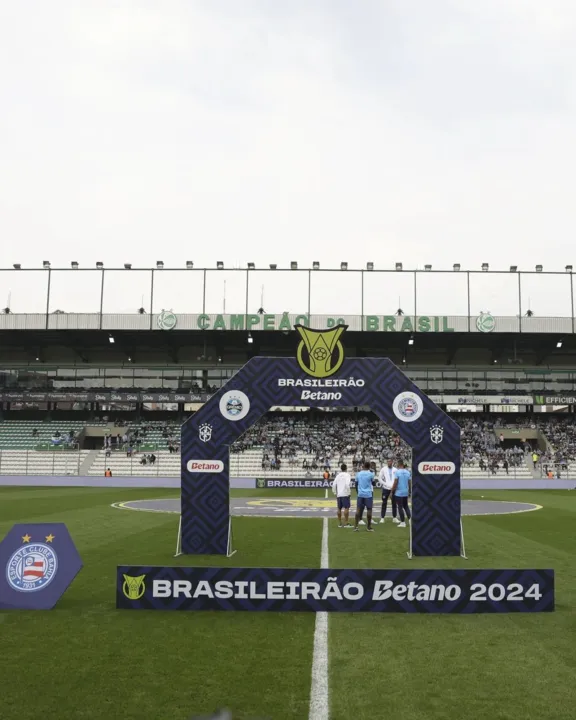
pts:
[38, 562]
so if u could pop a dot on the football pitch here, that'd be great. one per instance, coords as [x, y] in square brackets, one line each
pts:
[86, 660]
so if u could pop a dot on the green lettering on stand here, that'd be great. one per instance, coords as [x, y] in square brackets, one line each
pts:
[203, 322]
[285, 322]
[424, 324]
[389, 323]
[269, 321]
[219, 323]
[407, 324]
[372, 323]
[445, 326]
[236, 322]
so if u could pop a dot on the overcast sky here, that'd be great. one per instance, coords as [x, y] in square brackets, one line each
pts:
[266, 131]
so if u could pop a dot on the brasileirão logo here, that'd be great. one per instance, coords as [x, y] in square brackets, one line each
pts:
[134, 587]
[320, 352]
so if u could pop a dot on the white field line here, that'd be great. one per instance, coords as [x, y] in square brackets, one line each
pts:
[319, 696]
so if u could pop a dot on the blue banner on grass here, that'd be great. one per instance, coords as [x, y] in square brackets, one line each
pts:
[286, 590]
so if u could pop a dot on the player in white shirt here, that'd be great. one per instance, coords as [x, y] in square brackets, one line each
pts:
[386, 482]
[341, 488]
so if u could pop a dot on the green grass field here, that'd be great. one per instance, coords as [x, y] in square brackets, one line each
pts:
[87, 660]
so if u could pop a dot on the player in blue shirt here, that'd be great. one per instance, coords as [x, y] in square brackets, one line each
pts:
[401, 489]
[365, 489]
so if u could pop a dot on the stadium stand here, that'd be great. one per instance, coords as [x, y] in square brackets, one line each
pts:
[159, 463]
[18, 462]
[282, 445]
[30, 434]
[29, 447]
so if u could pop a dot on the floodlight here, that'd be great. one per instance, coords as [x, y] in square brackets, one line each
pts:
[293, 265]
[485, 267]
[220, 265]
[369, 266]
[456, 267]
[398, 266]
[315, 265]
[343, 266]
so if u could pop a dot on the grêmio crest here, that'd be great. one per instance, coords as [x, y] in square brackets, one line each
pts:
[320, 352]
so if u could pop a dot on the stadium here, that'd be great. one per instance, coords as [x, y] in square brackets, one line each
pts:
[93, 401]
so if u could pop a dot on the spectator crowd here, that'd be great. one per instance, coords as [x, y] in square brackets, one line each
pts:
[323, 442]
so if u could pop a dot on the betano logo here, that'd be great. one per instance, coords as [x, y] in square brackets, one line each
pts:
[205, 466]
[436, 468]
[320, 352]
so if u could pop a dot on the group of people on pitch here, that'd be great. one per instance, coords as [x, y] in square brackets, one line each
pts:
[396, 484]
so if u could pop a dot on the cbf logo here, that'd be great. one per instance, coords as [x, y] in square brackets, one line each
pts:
[32, 567]
[436, 434]
[408, 406]
[205, 432]
[485, 323]
[320, 352]
[167, 320]
[234, 405]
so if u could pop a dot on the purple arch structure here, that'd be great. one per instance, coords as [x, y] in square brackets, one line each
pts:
[374, 382]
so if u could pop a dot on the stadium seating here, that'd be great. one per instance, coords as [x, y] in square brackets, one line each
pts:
[19, 434]
[32, 462]
[293, 438]
[166, 465]
[249, 464]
